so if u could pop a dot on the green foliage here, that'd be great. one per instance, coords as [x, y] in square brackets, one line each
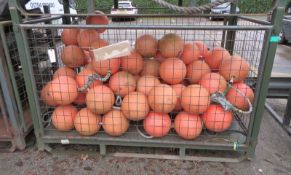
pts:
[148, 6]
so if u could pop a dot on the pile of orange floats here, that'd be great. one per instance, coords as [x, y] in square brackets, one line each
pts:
[162, 83]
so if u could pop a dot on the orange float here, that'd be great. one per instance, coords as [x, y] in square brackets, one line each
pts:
[162, 98]
[101, 19]
[235, 68]
[87, 123]
[102, 67]
[173, 71]
[239, 99]
[135, 106]
[63, 90]
[132, 63]
[190, 53]
[213, 82]
[216, 119]
[86, 37]
[203, 48]
[216, 56]
[196, 70]
[122, 83]
[100, 99]
[115, 123]
[69, 36]
[157, 124]
[195, 99]
[72, 56]
[46, 95]
[146, 83]
[63, 117]
[146, 45]
[171, 45]
[151, 67]
[64, 71]
[82, 78]
[178, 88]
[188, 126]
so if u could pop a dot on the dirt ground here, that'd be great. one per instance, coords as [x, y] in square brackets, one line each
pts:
[273, 157]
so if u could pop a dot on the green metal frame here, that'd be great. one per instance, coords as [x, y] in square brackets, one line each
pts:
[266, 62]
[16, 113]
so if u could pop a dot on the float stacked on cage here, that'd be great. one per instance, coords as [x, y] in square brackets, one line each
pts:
[161, 82]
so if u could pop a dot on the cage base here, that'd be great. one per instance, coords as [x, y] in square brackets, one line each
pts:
[6, 133]
[133, 139]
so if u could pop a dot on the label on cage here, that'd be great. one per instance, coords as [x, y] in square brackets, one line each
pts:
[120, 49]
[275, 39]
[65, 141]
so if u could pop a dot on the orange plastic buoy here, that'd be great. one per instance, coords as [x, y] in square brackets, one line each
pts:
[64, 71]
[132, 63]
[195, 99]
[101, 19]
[146, 83]
[100, 99]
[63, 117]
[203, 48]
[146, 45]
[178, 88]
[239, 100]
[86, 37]
[190, 53]
[196, 70]
[63, 90]
[157, 124]
[216, 119]
[213, 82]
[151, 67]
[135, 106]
[82, 78]
[87, 123]
[171, 45]
[102, 67]
[216, 56]
[173, 71]
[122, 83]
[235, 68]
[162, 98]
[115, 123]
[72, 56]
[188, 126]
[69, 36]
[46, 95]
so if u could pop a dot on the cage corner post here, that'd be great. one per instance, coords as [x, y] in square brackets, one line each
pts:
[265, 74]
[22, 46]
[229, 40]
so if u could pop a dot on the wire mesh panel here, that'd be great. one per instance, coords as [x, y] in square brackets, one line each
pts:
[15, 117]
[181, 81]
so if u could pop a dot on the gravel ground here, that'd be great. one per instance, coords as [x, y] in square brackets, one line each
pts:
[273, 156]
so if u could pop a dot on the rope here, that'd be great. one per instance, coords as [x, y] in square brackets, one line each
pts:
[92, 78]
[191, 10]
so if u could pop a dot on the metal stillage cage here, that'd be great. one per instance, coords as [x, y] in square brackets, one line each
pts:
[15, 119]
[187, 83]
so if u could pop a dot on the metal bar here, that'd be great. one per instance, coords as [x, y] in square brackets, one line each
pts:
[27, 70]
[11, 107]
[287, 115]
[66, 6]
[115, 4]
[230, 34]
[180, 3]
[254, 20]
[43, 19]
[175, 157]
[90, 6]
[264, 75]
[5, 117]
[12, 77]
[163, 27]
[149, 15]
